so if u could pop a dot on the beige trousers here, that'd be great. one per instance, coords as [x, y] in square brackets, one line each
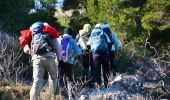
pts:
[39, 67]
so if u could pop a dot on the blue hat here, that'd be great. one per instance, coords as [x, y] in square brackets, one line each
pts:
[105, 25]
[36, 27]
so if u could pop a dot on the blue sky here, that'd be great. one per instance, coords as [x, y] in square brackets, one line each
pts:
[38, 5]
[58, 4]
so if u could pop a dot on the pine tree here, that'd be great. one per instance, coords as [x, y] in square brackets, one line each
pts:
[13, 14]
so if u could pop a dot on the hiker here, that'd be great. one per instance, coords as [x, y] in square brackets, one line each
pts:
[88, 65]
[44, 48]
[113, 47]
[68, 46]
[98, 43]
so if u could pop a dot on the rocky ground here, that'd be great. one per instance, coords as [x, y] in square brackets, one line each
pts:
[127, 87]
[121, 87]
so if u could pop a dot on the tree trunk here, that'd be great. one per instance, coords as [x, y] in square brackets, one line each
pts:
[139, 26]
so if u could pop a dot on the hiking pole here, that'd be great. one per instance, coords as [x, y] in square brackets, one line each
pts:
[116, 63]
[57, 80]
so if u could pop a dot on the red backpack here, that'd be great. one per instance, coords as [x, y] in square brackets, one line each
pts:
[25, 37]
[51, 31]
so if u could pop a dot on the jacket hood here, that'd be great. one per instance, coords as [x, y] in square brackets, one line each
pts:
[67, 35]
[105, 26]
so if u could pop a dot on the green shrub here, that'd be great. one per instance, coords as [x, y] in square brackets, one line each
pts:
[2, 91]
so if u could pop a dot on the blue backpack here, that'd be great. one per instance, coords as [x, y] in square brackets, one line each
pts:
[41, 43]
[66, 50]
[99, 42]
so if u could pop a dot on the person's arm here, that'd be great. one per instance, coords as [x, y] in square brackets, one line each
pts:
[77, 37]
[57, 49]
[116, 41]
[76, 48]
[80, 41]
[89, 41]
[82, 44]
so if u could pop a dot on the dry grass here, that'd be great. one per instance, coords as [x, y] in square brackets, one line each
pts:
[14, 93]
[45, 96]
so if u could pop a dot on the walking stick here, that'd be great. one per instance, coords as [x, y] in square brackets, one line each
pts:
[57, 78]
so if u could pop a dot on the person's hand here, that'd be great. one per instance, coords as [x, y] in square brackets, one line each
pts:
[60, 63]
[27, 49]
[88, 47]
[86, 50]
[80, 59]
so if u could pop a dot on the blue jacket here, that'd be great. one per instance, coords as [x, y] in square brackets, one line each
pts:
[73, 46]
[116, 42]
[115, 47]
[95, 32]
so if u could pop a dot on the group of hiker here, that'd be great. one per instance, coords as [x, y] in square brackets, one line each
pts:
[94, 48]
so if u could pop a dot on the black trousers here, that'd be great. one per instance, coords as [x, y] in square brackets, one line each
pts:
[101, 62]
[66, 71]
[88, 68]
[112, 63]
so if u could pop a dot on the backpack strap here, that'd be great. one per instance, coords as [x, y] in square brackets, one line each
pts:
[109, 33]
[51, 44]
[107, 39]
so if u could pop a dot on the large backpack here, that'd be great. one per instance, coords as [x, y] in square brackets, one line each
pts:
[84, 37]
[66, 50]
[99, 41]
[51, 31]
[25, 37]
[107, 31]
[41, 42]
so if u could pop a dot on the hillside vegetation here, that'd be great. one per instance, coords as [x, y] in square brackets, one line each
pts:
[142, 26]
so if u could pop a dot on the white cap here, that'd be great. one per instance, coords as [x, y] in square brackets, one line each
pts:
[46, 24]
[98, 25]
[87, 26]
